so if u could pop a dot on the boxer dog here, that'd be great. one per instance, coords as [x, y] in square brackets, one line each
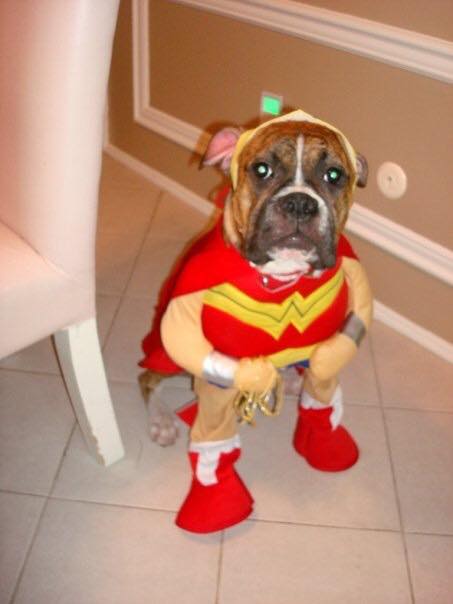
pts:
[275, 285]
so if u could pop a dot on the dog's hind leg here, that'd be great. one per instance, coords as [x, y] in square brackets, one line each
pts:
[162, 423]
[293, 382]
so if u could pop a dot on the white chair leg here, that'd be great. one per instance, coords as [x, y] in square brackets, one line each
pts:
[82, 364]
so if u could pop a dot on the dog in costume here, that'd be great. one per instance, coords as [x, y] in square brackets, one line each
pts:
[273, 285]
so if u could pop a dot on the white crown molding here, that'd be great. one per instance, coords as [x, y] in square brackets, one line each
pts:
[423, 54]
[382, 313]
[164, 182]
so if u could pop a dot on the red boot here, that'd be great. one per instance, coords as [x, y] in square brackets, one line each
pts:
[320, 439]
[217, 498]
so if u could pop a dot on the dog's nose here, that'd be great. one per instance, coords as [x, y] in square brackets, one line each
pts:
[299, 205]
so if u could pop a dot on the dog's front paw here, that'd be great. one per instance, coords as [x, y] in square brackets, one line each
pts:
[163, 428]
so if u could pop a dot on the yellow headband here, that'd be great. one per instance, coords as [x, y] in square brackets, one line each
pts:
[294, 116]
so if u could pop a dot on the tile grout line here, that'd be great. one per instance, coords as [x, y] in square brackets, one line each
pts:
[145, 237]
[423, 534]
[41, 516]
[348, 528]
[30, 371]
[124, 381]
[129, 506]
[324, 526]
[219, 568]
[122, 295]
[415, 410]
[22, 493]
[393, 471]
[60, 465]
[125, 506]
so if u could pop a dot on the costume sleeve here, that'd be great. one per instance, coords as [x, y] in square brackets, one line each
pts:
[360, 296]
[182, 333]
[184, 341]
[335, 353]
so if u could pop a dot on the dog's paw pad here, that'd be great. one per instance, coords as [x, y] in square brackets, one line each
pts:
[163, 430]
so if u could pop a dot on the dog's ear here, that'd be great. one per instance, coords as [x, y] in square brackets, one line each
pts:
[362, 170]
[221, 148]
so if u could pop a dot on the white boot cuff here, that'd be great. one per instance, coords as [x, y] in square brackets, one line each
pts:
[208, 457]
[308, 402]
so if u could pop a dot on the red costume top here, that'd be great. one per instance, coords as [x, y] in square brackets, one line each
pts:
[242, 316]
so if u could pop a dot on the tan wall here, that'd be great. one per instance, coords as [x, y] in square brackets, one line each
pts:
[434, 18]
[421, 298]
[207, 69]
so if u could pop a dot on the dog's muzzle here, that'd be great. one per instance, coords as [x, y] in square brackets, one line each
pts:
[294, 218]
[299, 205]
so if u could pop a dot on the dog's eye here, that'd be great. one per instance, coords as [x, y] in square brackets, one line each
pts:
[333, 175]
[263, 170]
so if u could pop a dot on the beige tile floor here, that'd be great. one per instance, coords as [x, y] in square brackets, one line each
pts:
[73, 532]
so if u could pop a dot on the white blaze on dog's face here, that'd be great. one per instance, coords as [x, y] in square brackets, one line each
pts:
[294, 189]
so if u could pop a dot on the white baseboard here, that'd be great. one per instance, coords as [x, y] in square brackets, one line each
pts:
[383, 313]
[411, 330]
[159, 179]
[403, 243]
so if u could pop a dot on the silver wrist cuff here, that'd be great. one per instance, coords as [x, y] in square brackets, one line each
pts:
[354, 328]
[219, 369]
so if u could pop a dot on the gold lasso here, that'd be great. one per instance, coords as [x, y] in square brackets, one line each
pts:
[246, 403]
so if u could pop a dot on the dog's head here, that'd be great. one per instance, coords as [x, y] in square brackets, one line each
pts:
[293, 179]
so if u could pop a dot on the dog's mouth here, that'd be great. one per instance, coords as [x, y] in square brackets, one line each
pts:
[294, 228]
[296, 240]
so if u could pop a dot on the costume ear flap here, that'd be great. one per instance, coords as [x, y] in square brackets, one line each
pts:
[221, 148]
[362, 170]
